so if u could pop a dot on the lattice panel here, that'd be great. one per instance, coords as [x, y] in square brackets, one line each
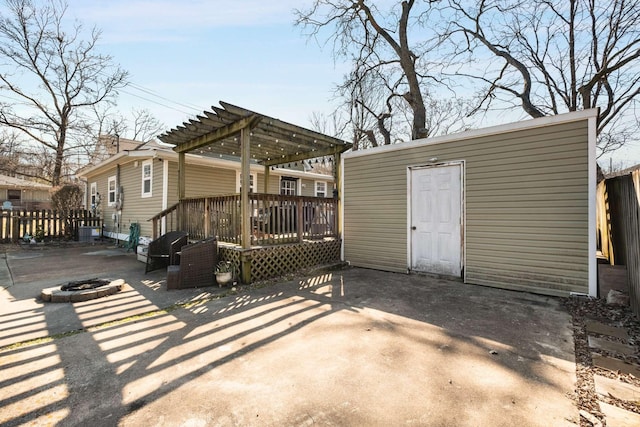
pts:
[226, 254]
[274, 261]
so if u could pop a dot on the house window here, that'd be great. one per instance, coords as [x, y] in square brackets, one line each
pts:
[321, 189]
[147, 178]
[94, 195]
[288, 186]
[253, 179]
[111, 187]
[14, 196]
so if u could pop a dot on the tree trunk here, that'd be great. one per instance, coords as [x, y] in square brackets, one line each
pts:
[57, 168]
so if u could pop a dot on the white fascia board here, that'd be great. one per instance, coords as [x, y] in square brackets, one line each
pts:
[104, 165]
[573, 116]
[125, 157]
[592, 183]
[301, 174]
[341, 210]
[192, 159]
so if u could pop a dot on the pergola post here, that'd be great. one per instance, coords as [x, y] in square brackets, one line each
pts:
[245, 208]
[181, 176]
[267, 172]
[338, 182]
[181, 186]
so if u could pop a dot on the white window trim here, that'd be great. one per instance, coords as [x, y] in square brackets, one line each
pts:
[115, 191]
[254, 188]
[315, 188]
[93, 194]
[142, 192]
[297, 182]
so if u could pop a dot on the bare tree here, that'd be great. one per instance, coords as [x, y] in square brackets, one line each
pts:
[54, 73]
[10, 156]
[386, 62]
[110, 125]
[145, 126]
[552, 56]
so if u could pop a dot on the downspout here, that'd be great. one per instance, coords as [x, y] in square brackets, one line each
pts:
[592, 180]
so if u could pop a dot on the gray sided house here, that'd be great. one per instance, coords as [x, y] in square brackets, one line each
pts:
[134, 185]
[510, 206]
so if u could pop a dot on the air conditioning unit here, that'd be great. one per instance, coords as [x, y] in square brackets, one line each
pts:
[88, 234]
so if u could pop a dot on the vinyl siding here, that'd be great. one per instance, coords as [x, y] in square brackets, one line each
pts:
[202, 181]
[172, 193]
[306, 187]
[105, 210]
[136, 208]
[526, 206]
[274, 183]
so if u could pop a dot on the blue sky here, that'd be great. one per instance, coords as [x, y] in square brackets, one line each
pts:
[197, 53]
[246, 52]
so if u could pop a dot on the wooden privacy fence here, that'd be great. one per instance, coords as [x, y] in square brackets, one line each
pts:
[619, 227]
[46, 223]
[275, 219]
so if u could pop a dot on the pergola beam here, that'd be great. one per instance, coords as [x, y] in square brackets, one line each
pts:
[302, 156]
[220, 133]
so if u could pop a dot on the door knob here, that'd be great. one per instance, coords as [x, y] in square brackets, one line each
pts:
[414, 228]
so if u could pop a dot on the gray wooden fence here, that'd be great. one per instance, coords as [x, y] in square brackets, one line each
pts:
[46, 223]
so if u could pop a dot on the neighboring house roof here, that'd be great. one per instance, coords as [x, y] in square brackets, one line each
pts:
[154, 149]
[153, 143]
[11, 182]
[112, 143]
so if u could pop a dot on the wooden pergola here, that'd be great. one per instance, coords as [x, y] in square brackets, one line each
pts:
[234, 131]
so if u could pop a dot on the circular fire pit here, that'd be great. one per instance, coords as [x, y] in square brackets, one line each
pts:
[82, 290]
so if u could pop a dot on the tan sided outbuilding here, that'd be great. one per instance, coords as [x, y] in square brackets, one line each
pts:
[510, 206]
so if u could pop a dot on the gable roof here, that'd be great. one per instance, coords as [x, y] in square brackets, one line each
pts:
[161, 151]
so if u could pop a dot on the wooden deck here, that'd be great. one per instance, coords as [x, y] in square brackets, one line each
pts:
[275, 219]
[288, 233]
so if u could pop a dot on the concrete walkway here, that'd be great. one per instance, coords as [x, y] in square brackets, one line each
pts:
[351, 347]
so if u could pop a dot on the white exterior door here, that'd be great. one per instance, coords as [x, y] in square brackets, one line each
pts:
[435, 223]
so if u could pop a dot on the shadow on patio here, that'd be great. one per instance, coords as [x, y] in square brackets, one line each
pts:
[348, 347]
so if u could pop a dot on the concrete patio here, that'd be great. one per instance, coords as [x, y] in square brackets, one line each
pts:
[348, 347]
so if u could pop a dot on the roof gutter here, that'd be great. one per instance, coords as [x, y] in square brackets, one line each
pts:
[102, 165]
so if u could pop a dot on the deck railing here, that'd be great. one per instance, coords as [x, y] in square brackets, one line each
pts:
[170, 216]
[275, 219]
